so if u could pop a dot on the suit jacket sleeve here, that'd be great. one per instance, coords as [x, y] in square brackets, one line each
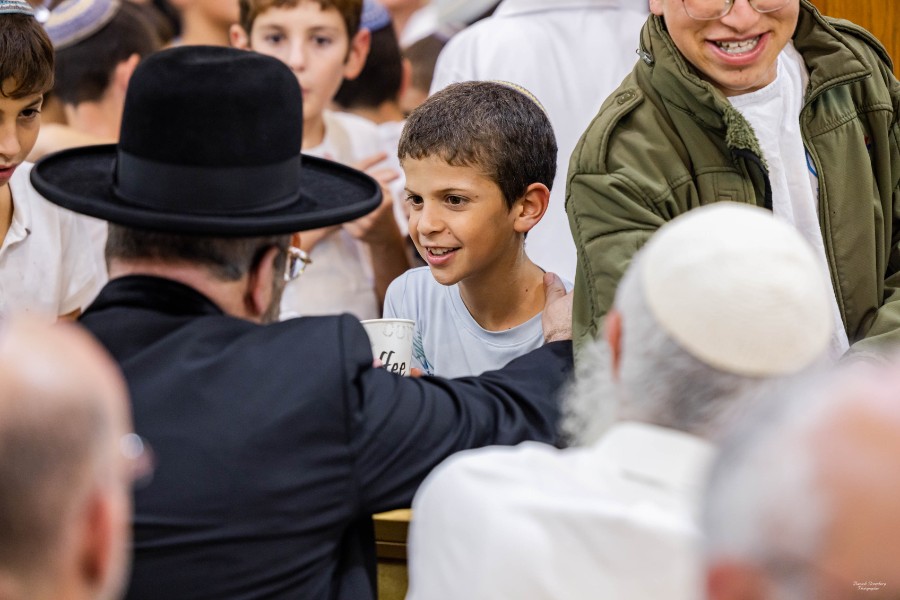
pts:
[400, 428]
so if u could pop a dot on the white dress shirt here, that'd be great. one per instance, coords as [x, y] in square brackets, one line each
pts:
[616, 520]
[48, 260]
[571, 54]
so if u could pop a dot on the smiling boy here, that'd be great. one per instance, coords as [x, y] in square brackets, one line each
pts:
[322, 42]
[479, 159]
[46, 264]
[759, 101]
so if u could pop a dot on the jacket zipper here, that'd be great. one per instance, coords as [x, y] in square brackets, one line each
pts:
[756, 160]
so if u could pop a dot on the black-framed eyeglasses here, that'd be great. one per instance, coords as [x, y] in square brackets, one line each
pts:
[297, 261]
[708, 10]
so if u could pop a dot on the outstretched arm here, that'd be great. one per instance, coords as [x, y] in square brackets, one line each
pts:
[402, 427]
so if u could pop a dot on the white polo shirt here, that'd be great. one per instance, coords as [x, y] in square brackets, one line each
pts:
[48, 260]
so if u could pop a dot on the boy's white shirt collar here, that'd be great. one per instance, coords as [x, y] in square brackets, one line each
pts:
[20, 226]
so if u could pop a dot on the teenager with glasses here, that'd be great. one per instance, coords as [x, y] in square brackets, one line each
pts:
[764, 102]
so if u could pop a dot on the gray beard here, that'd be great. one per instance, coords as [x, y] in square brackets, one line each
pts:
[593, 400]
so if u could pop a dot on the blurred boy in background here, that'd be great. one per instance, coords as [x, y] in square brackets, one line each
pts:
[323, 44]
[46, 266]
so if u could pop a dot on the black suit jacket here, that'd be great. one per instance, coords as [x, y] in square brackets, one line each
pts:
[275, 444]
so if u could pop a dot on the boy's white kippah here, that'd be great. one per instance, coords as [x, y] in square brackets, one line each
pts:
[524, 91]
[76, 20]
[16, 7]
[738, 289]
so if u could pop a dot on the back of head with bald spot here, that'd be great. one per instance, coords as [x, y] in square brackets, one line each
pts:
[64, 496]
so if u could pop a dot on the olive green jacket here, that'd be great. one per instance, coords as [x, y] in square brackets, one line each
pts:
[666, 141]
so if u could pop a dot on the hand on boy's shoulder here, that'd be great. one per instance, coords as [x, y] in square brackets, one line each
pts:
[556, 320]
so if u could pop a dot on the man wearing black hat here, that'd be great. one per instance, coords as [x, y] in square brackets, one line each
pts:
[275, 443]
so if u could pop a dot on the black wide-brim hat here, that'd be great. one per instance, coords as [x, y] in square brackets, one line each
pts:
[209, 144]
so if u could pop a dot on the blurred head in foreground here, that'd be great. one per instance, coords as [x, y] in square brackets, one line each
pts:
[802, 502]
[725, 305]
[67, 458]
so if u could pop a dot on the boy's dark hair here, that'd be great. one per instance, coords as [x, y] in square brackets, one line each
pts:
[84, 69]
[350, 10]
[493, 127]
[26, 56]
[380, 79]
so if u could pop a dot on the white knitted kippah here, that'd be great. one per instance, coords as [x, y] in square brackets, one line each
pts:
[738, 289]
[16, 7]
[75, 20]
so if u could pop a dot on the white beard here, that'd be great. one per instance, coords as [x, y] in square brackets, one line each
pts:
[592, 402]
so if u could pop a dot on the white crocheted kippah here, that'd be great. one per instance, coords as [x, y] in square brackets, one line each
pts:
[76, 20]
[16, 7]
[739, 289]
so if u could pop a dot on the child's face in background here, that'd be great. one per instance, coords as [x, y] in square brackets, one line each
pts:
[315, 45]
[459, 221]
[20, 122]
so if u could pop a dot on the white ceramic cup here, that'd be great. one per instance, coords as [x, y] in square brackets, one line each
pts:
[391, 341]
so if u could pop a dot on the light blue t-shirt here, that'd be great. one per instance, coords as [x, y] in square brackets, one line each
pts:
[447, 340]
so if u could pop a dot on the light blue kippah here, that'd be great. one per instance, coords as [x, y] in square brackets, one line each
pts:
[75, 20]
[16, 7]
[374, 16]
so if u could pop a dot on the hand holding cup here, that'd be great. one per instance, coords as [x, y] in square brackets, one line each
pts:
[391, 341]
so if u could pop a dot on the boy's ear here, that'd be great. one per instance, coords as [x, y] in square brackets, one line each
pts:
[530, 208]
[612, 333]
[357, 54]
[258, 291]
[239, 38]
[96, 542]
[122, 72]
